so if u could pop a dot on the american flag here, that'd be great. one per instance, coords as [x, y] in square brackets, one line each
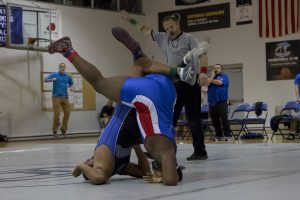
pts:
[278, 17]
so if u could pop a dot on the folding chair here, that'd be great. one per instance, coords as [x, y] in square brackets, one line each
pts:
[239, 114]
[284, 118]
[206, 122]
[183, 130]
[257, 123]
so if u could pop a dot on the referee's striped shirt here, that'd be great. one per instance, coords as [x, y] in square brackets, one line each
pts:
[174, 50]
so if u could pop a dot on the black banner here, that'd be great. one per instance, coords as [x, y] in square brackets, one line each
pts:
[200, 18]
[282, 59]
[2, 25]
[188, 2]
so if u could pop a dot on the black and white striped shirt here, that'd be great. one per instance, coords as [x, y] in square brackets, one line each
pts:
[174, 50]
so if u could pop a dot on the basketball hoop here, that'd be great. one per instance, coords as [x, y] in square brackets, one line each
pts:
[31, 41]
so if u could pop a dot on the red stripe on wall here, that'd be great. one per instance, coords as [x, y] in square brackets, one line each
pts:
[293, 16]
[267, 18]
[286, 16]
[280, 18]
[273, 17]
[260, 18]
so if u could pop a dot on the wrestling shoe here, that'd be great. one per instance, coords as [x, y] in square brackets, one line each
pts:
[187, 74]
[157, 167]
[131, 44]
[195, 156]
[179, 169]
[192, 56]
[60, 46]
[63, 46]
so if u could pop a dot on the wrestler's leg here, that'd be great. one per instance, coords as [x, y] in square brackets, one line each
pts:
[109, 87]
[185, 71]
[99, 169]
[163, 151]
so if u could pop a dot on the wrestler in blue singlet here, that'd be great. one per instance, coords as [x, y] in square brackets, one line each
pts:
[120, 134]
[153, 96]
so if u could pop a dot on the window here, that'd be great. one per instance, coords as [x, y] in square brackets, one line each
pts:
[131, 6]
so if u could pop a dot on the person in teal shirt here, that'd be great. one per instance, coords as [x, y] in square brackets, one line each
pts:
[61, 81]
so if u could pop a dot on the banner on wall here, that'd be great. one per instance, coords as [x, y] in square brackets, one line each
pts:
[282, 59]
[200, 18]
[188, 2]
[2, 25]
[243, 12]
[16, 25]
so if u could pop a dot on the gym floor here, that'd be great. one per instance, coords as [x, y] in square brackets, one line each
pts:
[252, 169]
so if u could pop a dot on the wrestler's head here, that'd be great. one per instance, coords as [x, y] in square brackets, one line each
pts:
[171, 25]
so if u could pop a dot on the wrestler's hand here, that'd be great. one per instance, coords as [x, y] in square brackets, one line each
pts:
[90, 161]
[77, 171]
[155, 177]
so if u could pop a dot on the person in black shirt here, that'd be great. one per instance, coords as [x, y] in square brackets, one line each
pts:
[106, 113]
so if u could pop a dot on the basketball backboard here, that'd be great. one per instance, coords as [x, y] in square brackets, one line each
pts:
[31, 28]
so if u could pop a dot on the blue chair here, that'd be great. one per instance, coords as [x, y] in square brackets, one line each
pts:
[239, 114]
[254, 123]
[184, 131]
[284, 118]
[207, 123]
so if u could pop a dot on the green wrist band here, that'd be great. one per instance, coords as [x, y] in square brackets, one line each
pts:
[173, 72]
[133, 21]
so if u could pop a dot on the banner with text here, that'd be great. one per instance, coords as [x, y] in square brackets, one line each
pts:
[282, 59]
[188, 2]
[2, 25]
[200, 18]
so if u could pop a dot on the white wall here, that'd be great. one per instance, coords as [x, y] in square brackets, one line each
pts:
[20, 84]
[237, 44]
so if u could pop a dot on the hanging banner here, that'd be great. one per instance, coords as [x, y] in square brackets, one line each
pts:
[282, 59]
[16, 24]
[188, 2]
[2, 25]
[200, 18]
[243, 12]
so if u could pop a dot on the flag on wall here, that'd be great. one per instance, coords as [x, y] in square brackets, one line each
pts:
[278, 17]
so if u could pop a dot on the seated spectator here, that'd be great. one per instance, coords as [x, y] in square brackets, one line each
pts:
[106, 113]
[294, 126]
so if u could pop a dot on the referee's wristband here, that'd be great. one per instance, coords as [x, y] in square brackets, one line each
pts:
[173, 72]
[133, 21]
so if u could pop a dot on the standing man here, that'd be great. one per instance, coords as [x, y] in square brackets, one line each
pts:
[294, 127]
[218, 84]
[297, 87]
[61, 82]
[175, 44]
